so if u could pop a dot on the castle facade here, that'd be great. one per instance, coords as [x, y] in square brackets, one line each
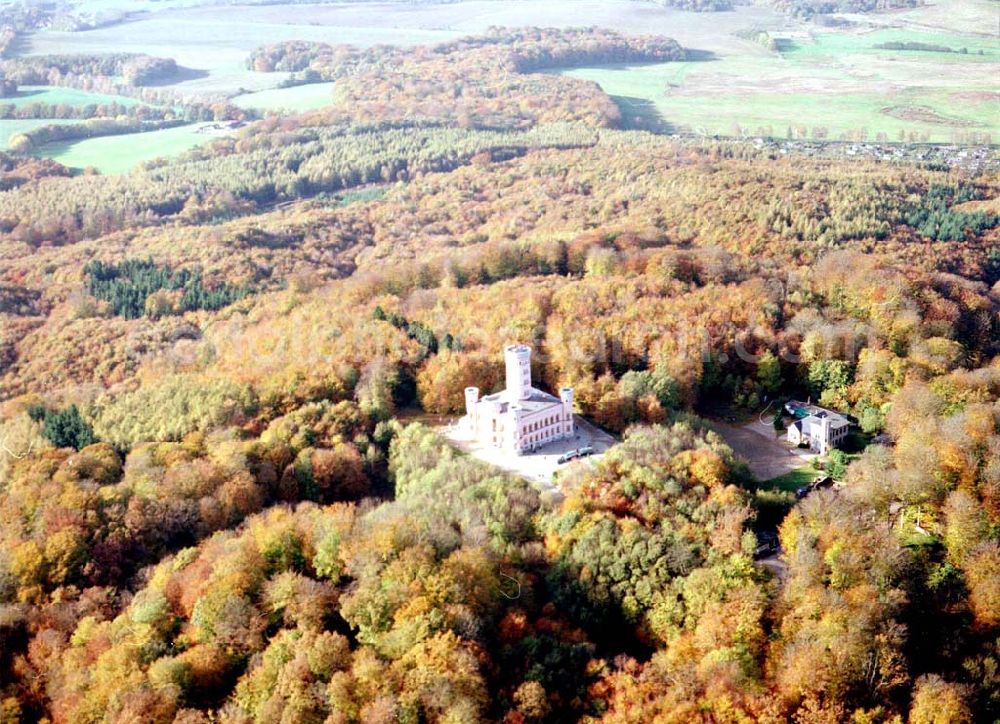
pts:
[520, 418]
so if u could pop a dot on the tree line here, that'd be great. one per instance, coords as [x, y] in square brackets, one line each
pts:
[24, 143]
[113, 109]
[134, 69]
[811, 8]
[302, 163]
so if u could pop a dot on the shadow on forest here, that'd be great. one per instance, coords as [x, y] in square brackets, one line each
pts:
[641, 114]
[183, 74]
[29, 93]
[785, 45]
[18, 46]
[696, 55]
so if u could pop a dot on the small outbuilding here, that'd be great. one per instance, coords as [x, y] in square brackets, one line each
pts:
[820, 429]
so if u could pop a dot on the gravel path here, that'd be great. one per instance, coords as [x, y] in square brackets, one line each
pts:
[767, 456]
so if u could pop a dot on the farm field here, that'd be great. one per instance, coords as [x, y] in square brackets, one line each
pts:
[965, 16]
[119, 154]
[832, 83]
[96, 6]
[52, 95]
[391, 23]
[213, 43]
[296, 98]
[828, 44]
[691, 97]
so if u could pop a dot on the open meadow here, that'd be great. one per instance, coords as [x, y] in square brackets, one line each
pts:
[297, 98]
[49, 95]
[854, 83]
[108, 154]
[53, 96]
[119, 154]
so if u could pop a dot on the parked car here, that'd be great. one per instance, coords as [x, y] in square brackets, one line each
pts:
[823, 481]
[585, 451]
[566, 457]
[767, 544]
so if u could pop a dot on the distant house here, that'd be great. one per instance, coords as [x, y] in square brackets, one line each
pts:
[820, 429]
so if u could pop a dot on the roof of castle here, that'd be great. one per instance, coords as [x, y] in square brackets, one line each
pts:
[535, 402]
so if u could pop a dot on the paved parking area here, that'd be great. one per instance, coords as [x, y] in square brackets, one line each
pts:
[538, 467]
[767, 455]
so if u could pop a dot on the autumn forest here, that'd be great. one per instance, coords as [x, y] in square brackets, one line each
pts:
[224, 491]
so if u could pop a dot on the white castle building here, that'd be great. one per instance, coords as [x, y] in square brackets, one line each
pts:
[520, 418]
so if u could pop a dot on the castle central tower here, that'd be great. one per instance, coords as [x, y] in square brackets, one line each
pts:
[518, 361]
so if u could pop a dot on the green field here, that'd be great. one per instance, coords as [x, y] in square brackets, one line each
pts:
[52, 95]
[837, 82]
[966, 16]
[118, 154]
[113, 154]
[838, 44]
[296, 98]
